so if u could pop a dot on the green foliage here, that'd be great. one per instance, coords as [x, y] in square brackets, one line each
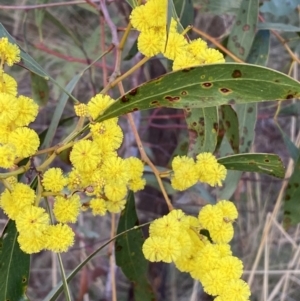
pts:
[203, 130]
[263, 163]
[129, 255]
[14, 266]
[207, 86]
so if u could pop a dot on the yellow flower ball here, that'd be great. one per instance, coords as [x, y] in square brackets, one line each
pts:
[66, 210]
[98, 206]
[54, 180]
[28, 111]
[8, 84]
[98, 104]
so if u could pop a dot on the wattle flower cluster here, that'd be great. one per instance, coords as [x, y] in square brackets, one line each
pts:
[206, 169]
[17, 141]
[150, 19]
[177, 238]
[97, 170]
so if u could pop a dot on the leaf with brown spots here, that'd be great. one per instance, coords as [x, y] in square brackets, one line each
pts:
[231, 126]
[203, 130]
[291, 206]
[243, 32]
[264, 163]
[254, 84]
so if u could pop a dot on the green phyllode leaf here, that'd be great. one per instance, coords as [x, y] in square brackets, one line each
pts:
[269, 164]
[39, 89]
[207, 86]
[128, 250]
[14, 266]
[203, 130]
[244, 29]
[291, 205]
[231, 126]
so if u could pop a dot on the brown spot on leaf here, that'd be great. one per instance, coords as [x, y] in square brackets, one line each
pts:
[172, 98]
[246, 27]
[133, 91]
[155, 103]
[241, 50]
[231, 102]
[236, 73]
[216, 126]
[250, 110]
[238, 22]
[225, 90]
[227, 122]
[245, 130]
[267, 160]
[234, 38]
[184, 93]
[124, 99]
[206, 85]
[289, 96]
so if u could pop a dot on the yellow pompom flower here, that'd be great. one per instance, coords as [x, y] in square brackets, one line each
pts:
[154, 248]
[210, 56]
[237, 290]
[115, 192]
[214, 282]
[7, 155]
[8, 84]
[9, 53]
[185, 174]
[156, 12]
[28, 111]
[115, 206]
[135, 167]
[31, 244]
[53, 180]
[150, 42]
[214, 175]
[139, 18]
[25, 140]
[13, 203]
[222, 234]
[172, 249]
[165, 226]
[9, 109]
[98, 104]
[108, 132]
[195, 48]
[137, 184]
[231, 266]
[210, 217]
[179, 216]
[115, 171]
[32, 221]
[184, 60]
[85, 156]
[206, 261]
[176, 46]
[229, 210]
[59, 238]
[81, 110]
[66, 210]
[98, 206]
[224, 249]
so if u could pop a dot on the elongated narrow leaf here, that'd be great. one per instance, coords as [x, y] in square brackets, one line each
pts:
[14, 266]
[203, 130]
[132, 3]
[129, 255]
[291, 206]
[39, 89]
[207, 86]
[218, 6]
[291, 147]
[260, 48]
[264, 163]
[278, 26]
[185, 11]
[244, 29]
[231, 126]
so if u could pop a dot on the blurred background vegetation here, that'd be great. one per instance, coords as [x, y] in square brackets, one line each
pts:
[64, 39]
